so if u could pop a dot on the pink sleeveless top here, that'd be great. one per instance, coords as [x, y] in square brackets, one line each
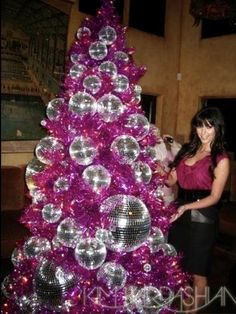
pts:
[196, 177]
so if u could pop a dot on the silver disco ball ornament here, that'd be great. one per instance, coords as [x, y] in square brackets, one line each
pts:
[82, 150]
[108, 68]
[49, 150]
[142, 172]
[61, 184]
[34, 167]
[125, 148]
[77, 70]
[83, 32]
[52, 283]
[97, 177]
[98, 50]
[137, 125]
[107, 35]
[90, 253]
[121, 56]
[113, 275]
[102, 235]
[68, 233]
[128, 221]
[121, 83]
[150, 300]
[51, 213]
[17, 256]
[155, 238]
[35, 246]
[28, 304]
[167, 249]
[76, 58]
[92, 83]
[110, 107]
[7, 287]
[82, 103]
[53, 108]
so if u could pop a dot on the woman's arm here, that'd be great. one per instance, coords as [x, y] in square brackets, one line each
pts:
[221, 174]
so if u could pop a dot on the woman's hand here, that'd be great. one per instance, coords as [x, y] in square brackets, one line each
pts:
[179, 213]
[160, 169]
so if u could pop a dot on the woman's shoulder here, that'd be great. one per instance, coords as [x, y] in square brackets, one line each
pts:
[223, 155]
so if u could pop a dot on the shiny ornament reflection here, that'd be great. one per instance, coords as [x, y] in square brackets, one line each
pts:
[125, 148]
[98, 50]
[51, 213]
[35, 246]
[82, 103]
[34, 167]
[82, 150]
[113, 275]
[49, 150]
[53, 109]
[97, 177]
[68, 233]
[137, 125]
[107, 35]
[142, 172]
[90, 253]
[110, 107]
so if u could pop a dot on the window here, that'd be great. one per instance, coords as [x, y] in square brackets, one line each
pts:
[213, 28]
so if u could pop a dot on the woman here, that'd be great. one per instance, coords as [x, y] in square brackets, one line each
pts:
[200, 168]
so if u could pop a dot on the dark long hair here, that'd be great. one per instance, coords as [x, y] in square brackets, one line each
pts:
[208, 117]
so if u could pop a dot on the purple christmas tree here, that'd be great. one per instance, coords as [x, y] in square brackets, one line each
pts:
[97, 216]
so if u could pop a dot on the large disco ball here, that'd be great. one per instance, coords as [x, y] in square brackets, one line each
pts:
[82, 103]
[49, 150]
[137, 125]
[90, 253]
[142, 172]
[110, 107]
[97, 177]
[34, 167]
[51, 284]
[35, 246]
[107, 35]
[113, 275]
[98, 50]
[125, 148]
[82, 150]
[53, 108]
[128, 221]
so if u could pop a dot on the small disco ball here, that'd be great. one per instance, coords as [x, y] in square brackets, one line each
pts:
[128, 221]
[77, 70]
[61, 184]
[34, 167]
[83, 32]
[49, 150]
[137, 125]
[51, 284]
[82, 103]
[68, 233]
[28, 303]
[142, 172]
[167, 249]
[121, 83]
[125, 148]
[35, 246]
[150, 300]
[90, 253]
[51, 213]
[98, 50]
[109, 68]
[82, 150]
[155, 238]
[17, 256]
[110, 107]
[107, 35]
[53, 108]
[97, 177]
[121, 56]
[113, 275]
[92, 83]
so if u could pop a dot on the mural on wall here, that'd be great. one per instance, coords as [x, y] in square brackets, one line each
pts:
[33, 49]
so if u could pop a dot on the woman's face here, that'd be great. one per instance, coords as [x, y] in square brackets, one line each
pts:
[206, 133]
